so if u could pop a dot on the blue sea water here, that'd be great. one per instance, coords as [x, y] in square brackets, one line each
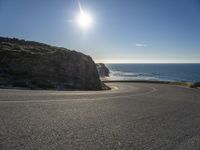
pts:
[155, 72]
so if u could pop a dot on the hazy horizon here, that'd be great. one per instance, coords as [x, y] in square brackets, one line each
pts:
[115, 31]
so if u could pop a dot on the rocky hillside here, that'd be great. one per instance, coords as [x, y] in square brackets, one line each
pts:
[39, 66]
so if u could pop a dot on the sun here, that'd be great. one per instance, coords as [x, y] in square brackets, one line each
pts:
[84, 19]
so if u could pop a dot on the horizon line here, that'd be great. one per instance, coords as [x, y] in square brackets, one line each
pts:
[107, 62]
[148, 63]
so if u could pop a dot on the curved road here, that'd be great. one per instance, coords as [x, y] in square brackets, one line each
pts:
[135, 116]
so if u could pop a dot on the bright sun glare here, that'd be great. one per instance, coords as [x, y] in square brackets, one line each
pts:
[84, 19]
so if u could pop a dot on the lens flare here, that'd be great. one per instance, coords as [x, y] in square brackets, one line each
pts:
[84, 19]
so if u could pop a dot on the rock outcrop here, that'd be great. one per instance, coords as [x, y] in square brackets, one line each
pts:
[195, 85]
[102, 70]
[39, 66]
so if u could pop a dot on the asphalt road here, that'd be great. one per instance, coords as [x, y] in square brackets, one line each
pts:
[135, 116]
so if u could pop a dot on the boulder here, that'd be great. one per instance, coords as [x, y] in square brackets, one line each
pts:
[40, 66]
[195, 85]
[102, 70]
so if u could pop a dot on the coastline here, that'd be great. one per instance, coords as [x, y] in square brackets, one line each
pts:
[179, 73]
[182, 84]
[106, 87]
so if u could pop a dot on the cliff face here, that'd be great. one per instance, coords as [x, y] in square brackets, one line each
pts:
[36, 65]
[102, 70]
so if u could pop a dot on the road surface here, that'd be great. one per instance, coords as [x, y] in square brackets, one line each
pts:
[135, 116]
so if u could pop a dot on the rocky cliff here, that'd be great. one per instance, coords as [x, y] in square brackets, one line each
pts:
[39, 66]
[102, 70]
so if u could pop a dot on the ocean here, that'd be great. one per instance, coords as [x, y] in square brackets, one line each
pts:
[155, 72]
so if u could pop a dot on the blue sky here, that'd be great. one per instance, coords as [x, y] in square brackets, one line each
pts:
[123, 31]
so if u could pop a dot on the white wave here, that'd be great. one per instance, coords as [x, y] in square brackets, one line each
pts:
[119, 75]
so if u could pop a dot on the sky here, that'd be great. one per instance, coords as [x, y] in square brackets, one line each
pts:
[123, 31]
